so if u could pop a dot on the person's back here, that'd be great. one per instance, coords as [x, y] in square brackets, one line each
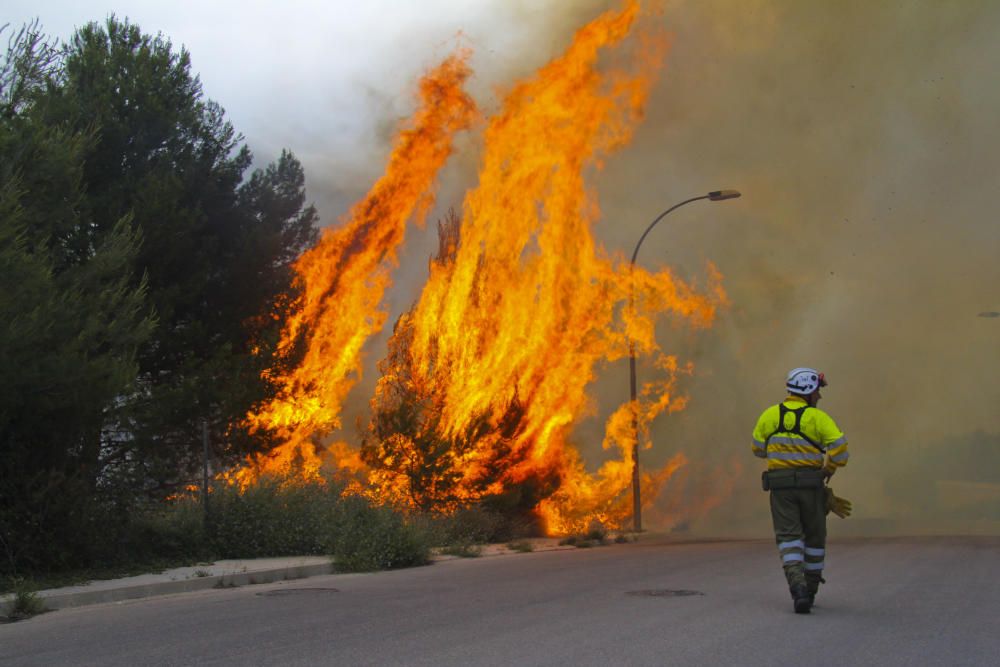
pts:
[803, 448]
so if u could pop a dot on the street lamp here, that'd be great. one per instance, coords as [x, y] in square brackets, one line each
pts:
[717, 195]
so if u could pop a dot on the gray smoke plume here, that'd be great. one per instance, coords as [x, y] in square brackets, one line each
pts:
[864, 137]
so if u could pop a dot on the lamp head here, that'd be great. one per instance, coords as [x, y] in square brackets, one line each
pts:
[719, 195]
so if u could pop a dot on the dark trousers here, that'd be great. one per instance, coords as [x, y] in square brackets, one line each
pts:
[799, 517]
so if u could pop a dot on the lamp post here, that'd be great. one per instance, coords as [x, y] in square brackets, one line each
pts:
[717, 195]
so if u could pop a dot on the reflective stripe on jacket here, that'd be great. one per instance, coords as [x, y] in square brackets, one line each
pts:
[789, 450]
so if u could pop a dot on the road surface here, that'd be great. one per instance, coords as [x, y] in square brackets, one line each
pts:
[926, 601]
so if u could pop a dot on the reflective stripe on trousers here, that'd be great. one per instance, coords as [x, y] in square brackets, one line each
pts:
[814, 559]
[792, 552]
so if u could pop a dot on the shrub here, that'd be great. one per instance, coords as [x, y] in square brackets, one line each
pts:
[472, 525]
[170, 532]
[596, 532]
[464, 550]
[369, 537]
[25, 602]
[274, 517]
[522, 546]
[479, 525]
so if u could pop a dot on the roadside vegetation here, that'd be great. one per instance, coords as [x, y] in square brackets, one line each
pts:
[596, 535]
[283, 517]
[24, 603]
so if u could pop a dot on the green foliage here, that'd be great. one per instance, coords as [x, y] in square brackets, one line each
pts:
[25, 602]
[371, 537]
[216, 252]
[165, 532]
[142, 274]
[71, 324]
[274, 517]
[596, 531]
[522, 546]
[463, 550]
[472, 525]
[478, 524]
[30, 60]
[596, 535]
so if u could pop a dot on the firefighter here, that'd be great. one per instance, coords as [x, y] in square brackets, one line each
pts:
[803, 448]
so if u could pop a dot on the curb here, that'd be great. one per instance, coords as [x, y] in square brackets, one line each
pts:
[60, 599]
[226, 574]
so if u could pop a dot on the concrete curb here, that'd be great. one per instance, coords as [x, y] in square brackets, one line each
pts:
[57, 600]
[223, 574]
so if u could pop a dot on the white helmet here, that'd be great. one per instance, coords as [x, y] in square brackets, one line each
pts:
[804, 381]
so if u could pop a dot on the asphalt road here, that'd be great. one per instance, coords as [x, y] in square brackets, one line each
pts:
[888, 602]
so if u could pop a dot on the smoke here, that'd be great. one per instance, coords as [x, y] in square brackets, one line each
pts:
[864, 139]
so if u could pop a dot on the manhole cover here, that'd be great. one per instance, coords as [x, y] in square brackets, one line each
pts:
[663, 593]
[281, 592]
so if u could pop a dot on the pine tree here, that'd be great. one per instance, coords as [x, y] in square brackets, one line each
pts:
[71, 322]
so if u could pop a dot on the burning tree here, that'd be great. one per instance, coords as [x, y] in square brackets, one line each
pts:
[417, 462]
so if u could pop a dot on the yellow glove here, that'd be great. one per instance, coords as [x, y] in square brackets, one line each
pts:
[839, 506]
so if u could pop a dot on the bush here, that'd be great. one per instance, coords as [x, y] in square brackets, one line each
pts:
[596, 532]
[472, 525]
[173, 532]
[596, 535]
[465, 550]
[369, 537]
[522, 546]
[274, 517]
[478, 525]
[25, 602]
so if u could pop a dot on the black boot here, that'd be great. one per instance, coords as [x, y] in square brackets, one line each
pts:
[812, 583]
[803, 601]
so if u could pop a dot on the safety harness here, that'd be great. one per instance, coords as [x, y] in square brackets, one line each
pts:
[796, 429]
[772, 480]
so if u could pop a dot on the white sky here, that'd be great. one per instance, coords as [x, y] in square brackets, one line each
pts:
[320, 78]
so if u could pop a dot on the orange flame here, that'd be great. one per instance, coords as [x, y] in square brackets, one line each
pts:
[345, 275]
[487, 374]
[521, 306]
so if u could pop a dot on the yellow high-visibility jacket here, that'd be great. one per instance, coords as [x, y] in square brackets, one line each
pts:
[785, 449]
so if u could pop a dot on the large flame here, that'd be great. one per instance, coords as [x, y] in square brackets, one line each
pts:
[344, 277]
[488, 373]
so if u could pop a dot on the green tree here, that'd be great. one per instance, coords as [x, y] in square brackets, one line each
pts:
[69, 329]
[144, 276]
[216, 250]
